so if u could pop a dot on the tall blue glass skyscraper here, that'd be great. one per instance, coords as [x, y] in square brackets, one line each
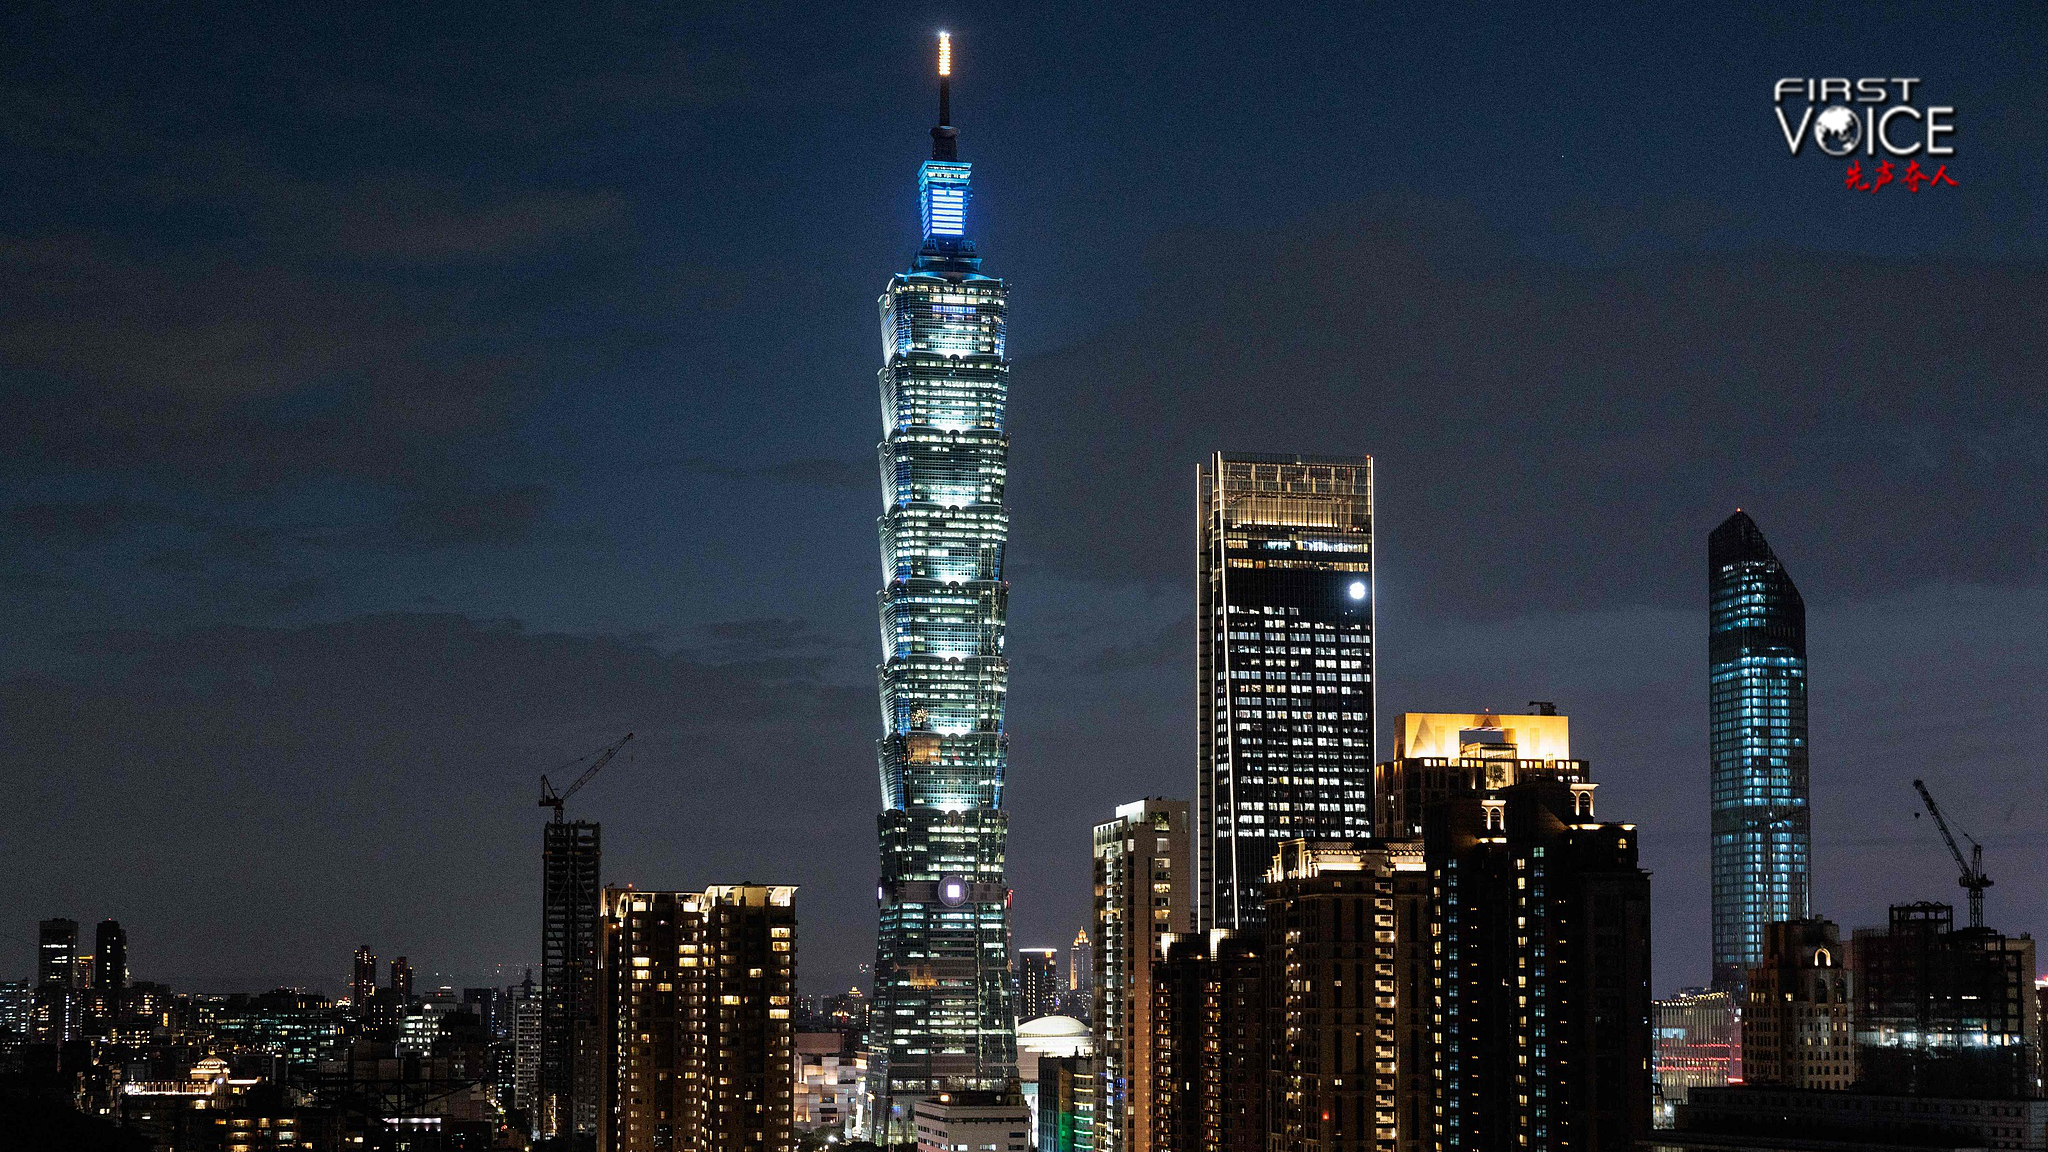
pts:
[942, 1017]
[1756, 675]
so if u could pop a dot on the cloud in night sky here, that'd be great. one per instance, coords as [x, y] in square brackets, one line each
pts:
[499, 516]
[813, 472]
[374, 780]
[1551, 428]
[561, 321]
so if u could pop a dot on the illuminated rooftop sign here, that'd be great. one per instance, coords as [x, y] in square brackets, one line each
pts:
[1441, 734]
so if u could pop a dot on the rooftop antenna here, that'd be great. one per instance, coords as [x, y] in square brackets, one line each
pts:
[945, 138]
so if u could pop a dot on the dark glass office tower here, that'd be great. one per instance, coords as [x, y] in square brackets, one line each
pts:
[1038, 982]
[57, 953]
[1756, 676]
[570, 1068]
[57, 992]
[363, 983]
[943, 1017]
[1284, 667]
[110, 957]
[109, 970]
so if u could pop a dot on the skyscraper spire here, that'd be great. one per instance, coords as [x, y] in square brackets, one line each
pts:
[943, 1019]
[945, 137]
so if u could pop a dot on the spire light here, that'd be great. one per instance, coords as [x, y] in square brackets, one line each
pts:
[945, 54]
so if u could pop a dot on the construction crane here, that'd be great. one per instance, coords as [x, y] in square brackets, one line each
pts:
[548, 796]
[1973, 877]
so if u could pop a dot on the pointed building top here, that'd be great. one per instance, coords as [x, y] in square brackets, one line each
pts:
[1738, 539]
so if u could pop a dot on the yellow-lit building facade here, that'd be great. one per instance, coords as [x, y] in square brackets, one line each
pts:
[1445, 754]
[699, 1041]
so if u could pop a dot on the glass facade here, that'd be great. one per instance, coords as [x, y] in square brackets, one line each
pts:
[1756, 674]
[943, 1016]
[1284, 667]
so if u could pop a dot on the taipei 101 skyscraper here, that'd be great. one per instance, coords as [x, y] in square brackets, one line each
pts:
[942, 1019]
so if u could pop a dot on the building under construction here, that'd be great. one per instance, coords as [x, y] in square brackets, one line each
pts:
[571, 1013]
[570, 1043]
[1945, 1011]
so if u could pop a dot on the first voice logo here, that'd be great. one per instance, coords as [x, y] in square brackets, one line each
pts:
[1875, 116]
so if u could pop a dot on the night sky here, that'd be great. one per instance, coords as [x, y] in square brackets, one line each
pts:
[397, 402]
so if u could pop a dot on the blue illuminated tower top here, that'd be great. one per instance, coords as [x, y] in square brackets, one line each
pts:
[943, 184]
[942, 191]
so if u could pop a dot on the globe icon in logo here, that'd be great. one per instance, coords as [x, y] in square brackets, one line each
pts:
[1837, 130]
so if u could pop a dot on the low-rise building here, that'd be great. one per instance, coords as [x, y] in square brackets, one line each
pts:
[829, 1082]
[976, 1121]
[1693, 1043]
[1739, 1119]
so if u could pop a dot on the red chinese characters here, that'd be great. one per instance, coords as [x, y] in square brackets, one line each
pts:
[1914, 177]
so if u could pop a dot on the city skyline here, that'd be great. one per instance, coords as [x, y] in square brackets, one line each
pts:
[332, 609]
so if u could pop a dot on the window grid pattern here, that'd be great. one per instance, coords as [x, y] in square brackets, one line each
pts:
[943, 1016]
[1762, 833]
[1284, 668]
